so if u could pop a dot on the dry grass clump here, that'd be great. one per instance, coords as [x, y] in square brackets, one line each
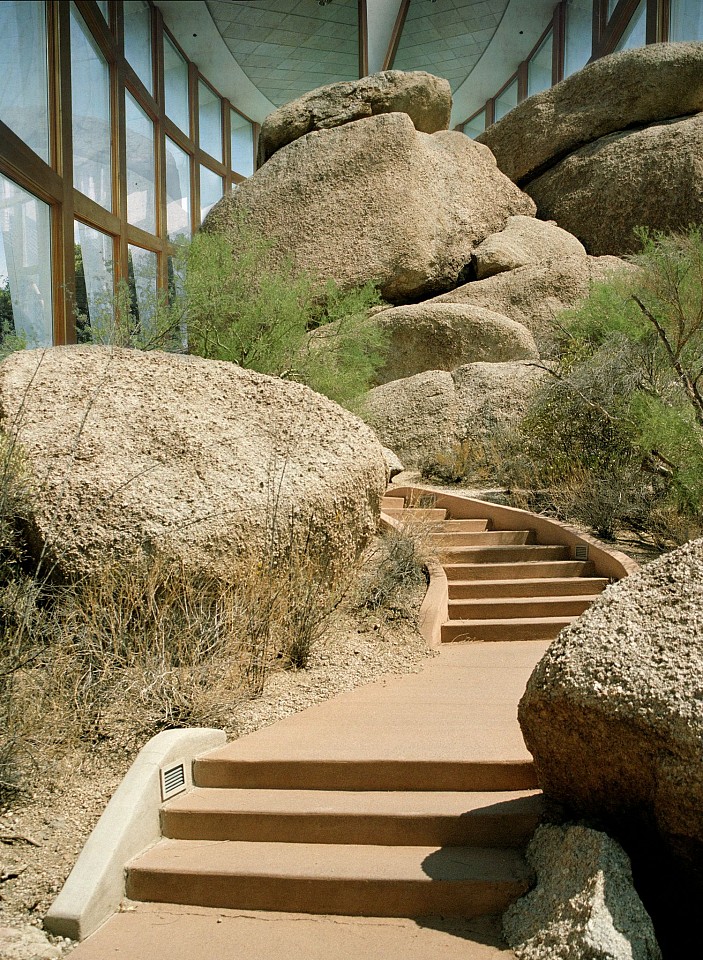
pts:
[394, 568]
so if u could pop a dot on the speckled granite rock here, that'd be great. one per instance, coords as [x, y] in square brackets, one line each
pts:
[426, 99]
[137, 451]
[613, 713]
[522, 241]
[584, 905]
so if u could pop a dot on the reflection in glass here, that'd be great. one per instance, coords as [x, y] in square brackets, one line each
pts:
[175, 292]
[25, 267]
[103, 7]
[24, 92]
[90, 95]
[476, 125]
[686, 21]
[210, 118]
[539, 69]
[612, 4]
[506, 100]
[210, 190]
[141, 200]
[141, 279]
[177, 191]
[579, 35]
[635, 34]
[242, 138]
[176, 87]
[95, 308]
[137, 40]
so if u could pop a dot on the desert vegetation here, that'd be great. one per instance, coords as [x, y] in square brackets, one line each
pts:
[615, 436]
[229, 301]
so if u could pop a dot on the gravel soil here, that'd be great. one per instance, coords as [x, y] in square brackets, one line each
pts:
[43, 833]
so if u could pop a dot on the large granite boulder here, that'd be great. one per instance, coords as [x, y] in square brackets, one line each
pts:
[613, 713]
[628, 89]
[524, 240]
[535, 294]
[442, 336]
[584, 904]
[651, 176]
[376, 200]
[431, 412]
[426, 99]
[194, 459]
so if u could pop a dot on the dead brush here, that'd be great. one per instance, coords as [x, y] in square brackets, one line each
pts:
[395, 566]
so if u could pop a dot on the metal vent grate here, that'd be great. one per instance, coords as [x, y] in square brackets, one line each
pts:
[173, 780]
[581, 551]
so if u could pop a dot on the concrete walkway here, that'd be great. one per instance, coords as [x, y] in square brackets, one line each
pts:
[441, 733]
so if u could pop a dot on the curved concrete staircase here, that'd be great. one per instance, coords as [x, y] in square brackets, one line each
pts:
[410, 797]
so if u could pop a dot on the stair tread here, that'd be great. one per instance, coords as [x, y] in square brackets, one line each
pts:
[523, 602]
[327, 861]
[512, 621]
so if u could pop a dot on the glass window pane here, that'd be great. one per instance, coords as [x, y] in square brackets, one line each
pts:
[686, 20]
[95, 296]
[176, 291]
[141, 200]
[539, 69]
[506, 100]
[242, 137]
[612, 4]
[103, 7]
[579, 35]
[141, 278]
[176, 87]
[137, 40]
[90, 95]
[210, 190]
[635, 34]
[177, 191]
[25, 267]
[210, 116]
[476, 125]
[24, 92]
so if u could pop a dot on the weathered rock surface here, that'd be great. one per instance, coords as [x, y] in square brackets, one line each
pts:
[377, 200]
[584, 904]
[524, 240]
[613, 713]
[434, 410]
[533, 295]
[138, 451]
[633, 87]
[26, 943]
[442, 336]
[651, 177]
[426, 99]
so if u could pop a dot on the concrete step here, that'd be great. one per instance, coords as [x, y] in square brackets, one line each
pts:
[410, 514]
[393, 818]
[521, 628]
[509, 608]
[460, 538]
[461, 526]
[539, 587]
[393, 503]
[391, 881]
[504, 553]
[523, 570]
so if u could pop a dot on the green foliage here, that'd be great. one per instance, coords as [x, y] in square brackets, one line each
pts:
[243, 307]
[229, 300]
[619, 427]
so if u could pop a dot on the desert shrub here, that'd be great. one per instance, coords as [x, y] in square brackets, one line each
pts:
[394, 567]
[617, 433]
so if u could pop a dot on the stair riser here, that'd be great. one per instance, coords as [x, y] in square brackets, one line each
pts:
[476, 570]
[502, 554]
[462, 526]
[420, 514]
[507, 631]
[359, 898]
[482, 590]
[511, 608]
[488, 538]
[375, 775]
[508, 830]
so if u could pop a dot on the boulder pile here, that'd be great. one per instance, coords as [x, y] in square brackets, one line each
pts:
[615, 146]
